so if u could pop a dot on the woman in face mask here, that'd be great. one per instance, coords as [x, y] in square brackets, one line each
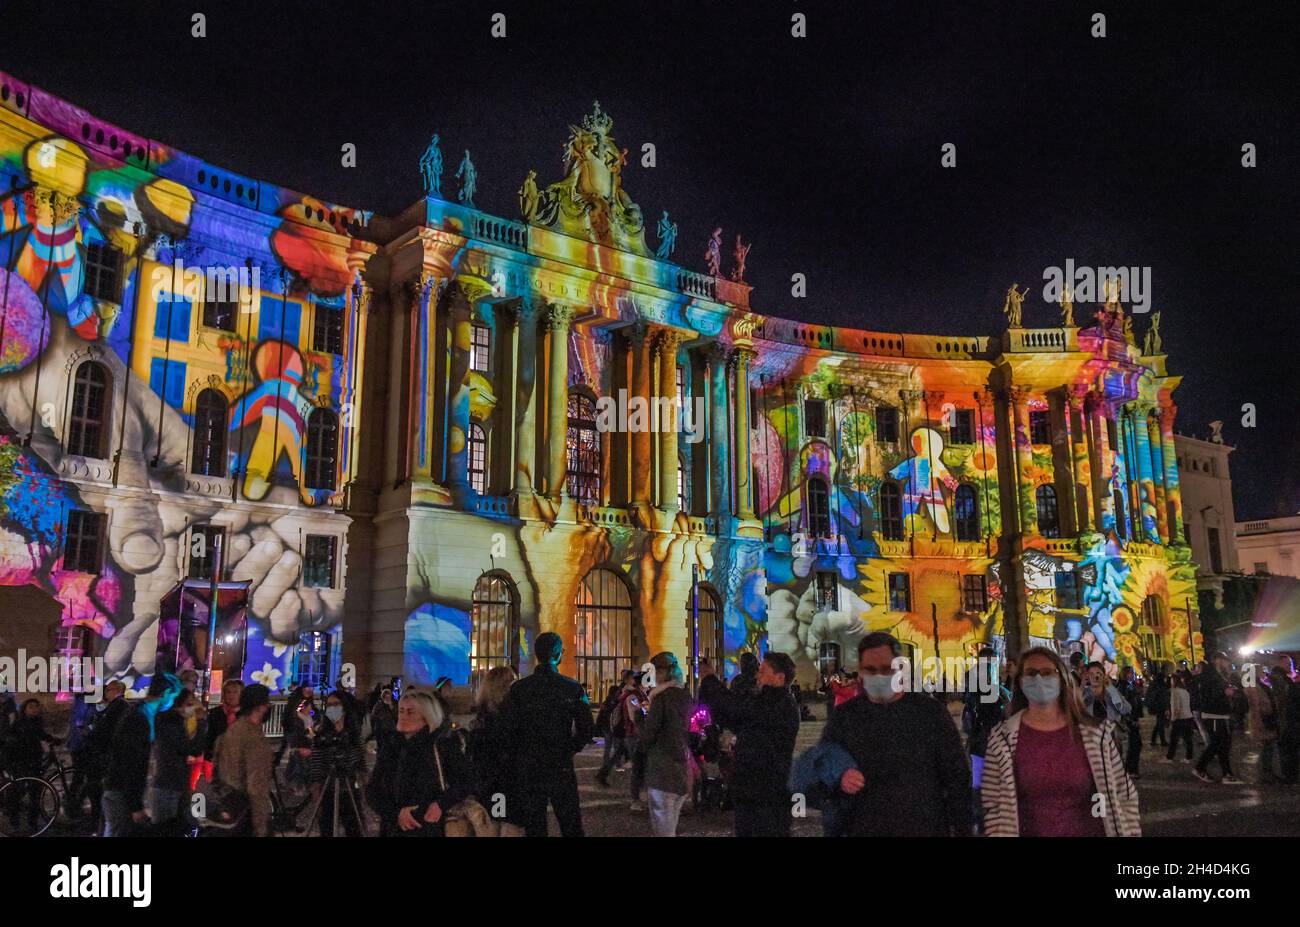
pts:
[1051, 769]
[336, 757]
[180, 734]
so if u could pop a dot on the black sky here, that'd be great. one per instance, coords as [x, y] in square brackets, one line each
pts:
[824, 151]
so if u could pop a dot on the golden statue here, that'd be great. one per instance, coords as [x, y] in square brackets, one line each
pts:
[529, 197]
[1067, 309]
[1012, 307]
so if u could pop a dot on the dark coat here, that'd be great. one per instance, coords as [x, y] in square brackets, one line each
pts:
[408, 777]
[548, 719]
[128, 759]
[172, 748]
[766, 725]
[665, 739]
[492, 755]
[24, 746]
[909, 752]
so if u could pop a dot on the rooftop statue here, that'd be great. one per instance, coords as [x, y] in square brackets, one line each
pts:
[713, 253]
[468, 178]
[431, 168]
[529, 197]
[667, 238]
[590, 201]
[741, 252]
[1067, 309]
[1153, 343]
[1012, 307]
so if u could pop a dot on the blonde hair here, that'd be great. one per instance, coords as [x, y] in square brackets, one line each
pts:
[428, 707]
[494, 686]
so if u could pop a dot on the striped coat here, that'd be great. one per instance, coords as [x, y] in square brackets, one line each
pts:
[998, 786]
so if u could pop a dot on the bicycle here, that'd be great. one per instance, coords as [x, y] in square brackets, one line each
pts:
[39, 811]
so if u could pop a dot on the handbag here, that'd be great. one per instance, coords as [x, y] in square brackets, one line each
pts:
[226, 806]
[466, 818]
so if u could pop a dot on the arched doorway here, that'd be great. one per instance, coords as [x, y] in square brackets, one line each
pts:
[494, 627]
[710, 642]
[603, 645]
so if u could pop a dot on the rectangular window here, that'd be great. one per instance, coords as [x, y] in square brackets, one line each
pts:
[974, 593]
[220, 300]
[480, 344]
[278, 320]
[167, 379]
[814, 418]
[327, 333]
[83, 543]
[900, 592]
[1261, 567]
[1067, 590]
[318, 562]
[172, 318]
[204, 540]
[887, 424]
[103, 272]
[963, 427]
[313, 660]
[828, 596]
[1216, 552]
[1040, 426]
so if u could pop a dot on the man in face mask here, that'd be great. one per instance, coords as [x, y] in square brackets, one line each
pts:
[910, 777]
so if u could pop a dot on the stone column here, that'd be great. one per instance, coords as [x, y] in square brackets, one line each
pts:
[1102, 462]
[1173, 491]
[1063, 468]
[741, 358]
[1024, 460]
[1080, 460]
[1157, 468]
[719, 439]
[421, 416]
[1130, 462]
[666, 345]
[557, 396]
[458, 390]
[641, 338]
[525, 423]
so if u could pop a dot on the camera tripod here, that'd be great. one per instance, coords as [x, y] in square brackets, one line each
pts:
[337, 781]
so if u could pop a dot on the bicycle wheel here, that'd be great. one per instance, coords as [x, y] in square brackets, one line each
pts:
[28, 807]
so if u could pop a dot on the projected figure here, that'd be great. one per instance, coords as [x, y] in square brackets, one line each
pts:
[276, 412]
[923, 476]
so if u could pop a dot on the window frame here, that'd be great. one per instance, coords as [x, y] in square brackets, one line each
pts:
[888, 520]
[97, 270]
[905, 580]
[81, 538]
[889, 413]
[315, 459]
[962, 427]
[476, 444]
[1042, 494]
[589, 453]
[310, 566]
[81, 422]
[220, 432]
[974, 592]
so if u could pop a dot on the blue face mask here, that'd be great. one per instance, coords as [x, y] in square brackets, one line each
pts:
[1041, 690]
[878, 688]
[334, 713]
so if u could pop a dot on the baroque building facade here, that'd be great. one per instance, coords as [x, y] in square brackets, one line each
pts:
[418, 441]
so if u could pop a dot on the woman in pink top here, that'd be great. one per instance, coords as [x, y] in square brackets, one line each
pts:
[1051, 770]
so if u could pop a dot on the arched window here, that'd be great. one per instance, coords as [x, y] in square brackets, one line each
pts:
[494, 627]
[709, 639]
[582, 443]
[966, 513]
[819, 509]
[477, 458]
[1049, 520]
[322, 450]
[210, 413]
[603, 635]
[88, 429]
[891, 512]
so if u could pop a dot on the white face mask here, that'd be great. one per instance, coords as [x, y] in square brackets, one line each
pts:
[334, 713]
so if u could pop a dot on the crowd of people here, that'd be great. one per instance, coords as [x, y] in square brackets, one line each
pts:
[1051, 749]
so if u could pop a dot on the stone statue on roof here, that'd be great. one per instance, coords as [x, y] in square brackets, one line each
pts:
[431, 168]
[1012, 307]
[741, 252]
[529, 197]
[468, 178]
[667, 238]
[713, 253]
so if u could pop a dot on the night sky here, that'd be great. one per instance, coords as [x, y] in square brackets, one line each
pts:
[824, 151]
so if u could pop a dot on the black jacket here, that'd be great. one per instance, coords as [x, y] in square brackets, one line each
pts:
[172, 748]
[548, 719]
[408, 777]
[100, 740]
[23, 749]
[1213, 691]
[128, 759]
[493, 759]
[909, 752]
[766, 725]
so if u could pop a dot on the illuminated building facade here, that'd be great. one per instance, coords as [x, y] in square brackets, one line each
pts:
[424, 439]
